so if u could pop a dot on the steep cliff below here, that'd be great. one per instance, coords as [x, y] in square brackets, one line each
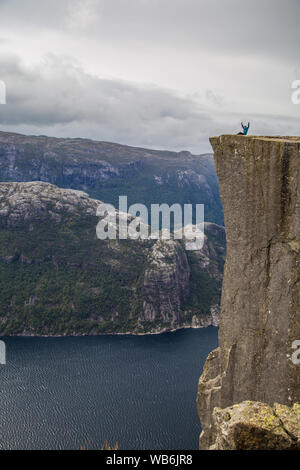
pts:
[259, 181]
[58, 278]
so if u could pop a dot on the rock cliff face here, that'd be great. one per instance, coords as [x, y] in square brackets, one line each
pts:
[166, 282]
[56, 277]
[259, 181]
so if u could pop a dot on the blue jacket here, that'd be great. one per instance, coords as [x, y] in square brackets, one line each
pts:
[245, 128]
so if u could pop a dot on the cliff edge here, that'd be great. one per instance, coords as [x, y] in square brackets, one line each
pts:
[259, 180]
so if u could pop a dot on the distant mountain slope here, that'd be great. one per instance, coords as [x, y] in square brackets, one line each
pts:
[107, 170]
[57, 278]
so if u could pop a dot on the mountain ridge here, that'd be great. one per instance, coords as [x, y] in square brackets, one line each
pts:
[107, 170]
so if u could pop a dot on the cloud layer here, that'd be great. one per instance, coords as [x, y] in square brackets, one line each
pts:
[152, 73]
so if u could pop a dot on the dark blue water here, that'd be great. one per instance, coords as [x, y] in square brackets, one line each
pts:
[61, 393]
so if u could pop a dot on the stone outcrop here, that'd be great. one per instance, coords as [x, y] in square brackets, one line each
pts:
[23, 204]
[259, 180]
[166, 282]
[257, 426]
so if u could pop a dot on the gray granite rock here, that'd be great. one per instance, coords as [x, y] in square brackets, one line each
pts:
[259, 181]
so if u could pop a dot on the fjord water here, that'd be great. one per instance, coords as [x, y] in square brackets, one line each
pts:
[67, 393]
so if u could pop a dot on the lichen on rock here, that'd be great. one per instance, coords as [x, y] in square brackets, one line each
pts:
[257, 426]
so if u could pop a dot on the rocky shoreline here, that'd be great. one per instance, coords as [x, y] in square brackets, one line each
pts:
[214, 323]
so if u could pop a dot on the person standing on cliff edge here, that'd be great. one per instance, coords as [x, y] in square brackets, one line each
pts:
[245, 129]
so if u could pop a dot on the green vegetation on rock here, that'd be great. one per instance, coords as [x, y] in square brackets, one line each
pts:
[57, 278]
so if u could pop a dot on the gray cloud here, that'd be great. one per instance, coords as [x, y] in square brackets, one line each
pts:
[61, 99]
[211, 63]
[267, 27]
[61, 96]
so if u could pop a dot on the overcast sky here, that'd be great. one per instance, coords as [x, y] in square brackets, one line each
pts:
[153, 73]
